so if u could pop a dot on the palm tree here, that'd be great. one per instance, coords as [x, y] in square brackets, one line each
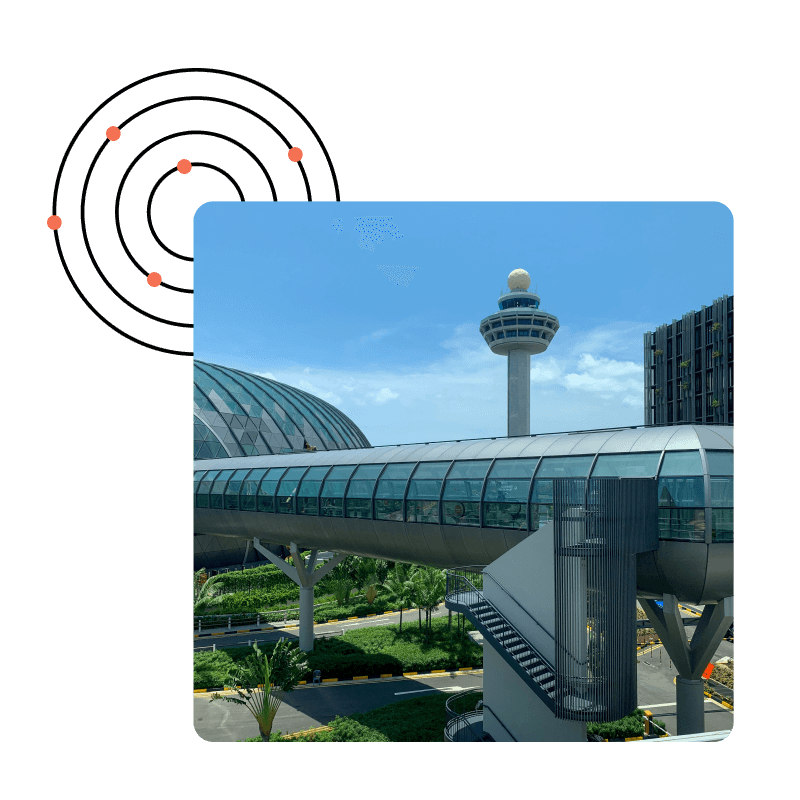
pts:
[400, 583]
[341, 581]
[431, 585]
[203, 592]
[279, 675]
[366, 578]
[200, 578]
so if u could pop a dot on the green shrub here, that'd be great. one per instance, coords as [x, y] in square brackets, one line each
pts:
[625, 728]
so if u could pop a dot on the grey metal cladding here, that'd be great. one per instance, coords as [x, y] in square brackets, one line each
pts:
[718, 572]
[713, 438]
[454, 452]
[684, 438]
[621, 442]
[403, 453]
[480, 450]
[678, 437]
[652, 439]
[435, 452]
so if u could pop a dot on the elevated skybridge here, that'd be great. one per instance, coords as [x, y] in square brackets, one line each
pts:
[448, 504]
[568, 527]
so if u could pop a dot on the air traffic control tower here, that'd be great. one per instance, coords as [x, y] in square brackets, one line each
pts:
[518, 330]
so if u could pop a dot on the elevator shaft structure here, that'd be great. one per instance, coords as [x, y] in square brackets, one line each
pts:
[519, 330]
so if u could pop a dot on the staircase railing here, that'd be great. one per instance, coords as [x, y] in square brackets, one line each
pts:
[575, 695]
[476, 596]
[460, 589]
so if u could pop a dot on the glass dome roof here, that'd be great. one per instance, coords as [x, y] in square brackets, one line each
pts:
[240, 414]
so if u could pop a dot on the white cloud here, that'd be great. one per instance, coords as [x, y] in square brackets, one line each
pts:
[384, 395]
[375, 335]
[458, 390]
[324, 394]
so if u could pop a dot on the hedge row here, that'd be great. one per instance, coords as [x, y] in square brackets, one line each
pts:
[625, 728]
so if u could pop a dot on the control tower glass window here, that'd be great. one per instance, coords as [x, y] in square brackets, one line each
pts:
[462, 493]
[391, 490]
[332, 495]
[681, 497]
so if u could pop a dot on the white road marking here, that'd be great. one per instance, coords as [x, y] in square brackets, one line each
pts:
[665, 705]
[448, 689]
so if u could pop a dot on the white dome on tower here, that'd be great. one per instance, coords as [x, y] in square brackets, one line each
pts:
[519, 279]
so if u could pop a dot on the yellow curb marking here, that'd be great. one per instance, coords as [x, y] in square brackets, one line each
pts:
[329, 680]
[386, 675]
[438, 670]
[406, 674]
[361, 678]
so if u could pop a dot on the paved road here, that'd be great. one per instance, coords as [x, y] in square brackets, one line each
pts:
[309, 707]
[656, 687]
[312, 706]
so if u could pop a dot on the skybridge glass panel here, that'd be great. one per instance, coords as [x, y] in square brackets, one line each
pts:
[232, 489]
[542, 493]
[287, 489]
[506, 494]
[249, 490]
[514, 468]
[721, 524]
[215, 495]
[462, 493]
[198, 477]
[720, 462]
[266, 495]
[626, 465]
[359, 493]
[332, 495]
[681, 515]
[309, 491]
[721, 492]
[424, 490]
[687, 524]
[390, 492]
[682, 462]
[204, 487]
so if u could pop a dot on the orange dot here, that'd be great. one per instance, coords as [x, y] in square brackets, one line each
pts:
[54, 222]
[184, 166]
[154, 279]
[295, 154]
[113, 133]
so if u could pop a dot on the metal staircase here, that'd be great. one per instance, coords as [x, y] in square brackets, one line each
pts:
[537, 672]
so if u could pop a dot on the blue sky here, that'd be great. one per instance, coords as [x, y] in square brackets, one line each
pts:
[294, 291]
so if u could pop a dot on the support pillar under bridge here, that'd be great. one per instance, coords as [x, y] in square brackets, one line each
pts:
[304, 574]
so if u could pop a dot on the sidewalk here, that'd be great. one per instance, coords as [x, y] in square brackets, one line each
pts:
[222, 630]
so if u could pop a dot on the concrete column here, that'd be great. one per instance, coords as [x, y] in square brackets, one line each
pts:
[519, 393]
[690, 705]
[690, 658]
[307, 618]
